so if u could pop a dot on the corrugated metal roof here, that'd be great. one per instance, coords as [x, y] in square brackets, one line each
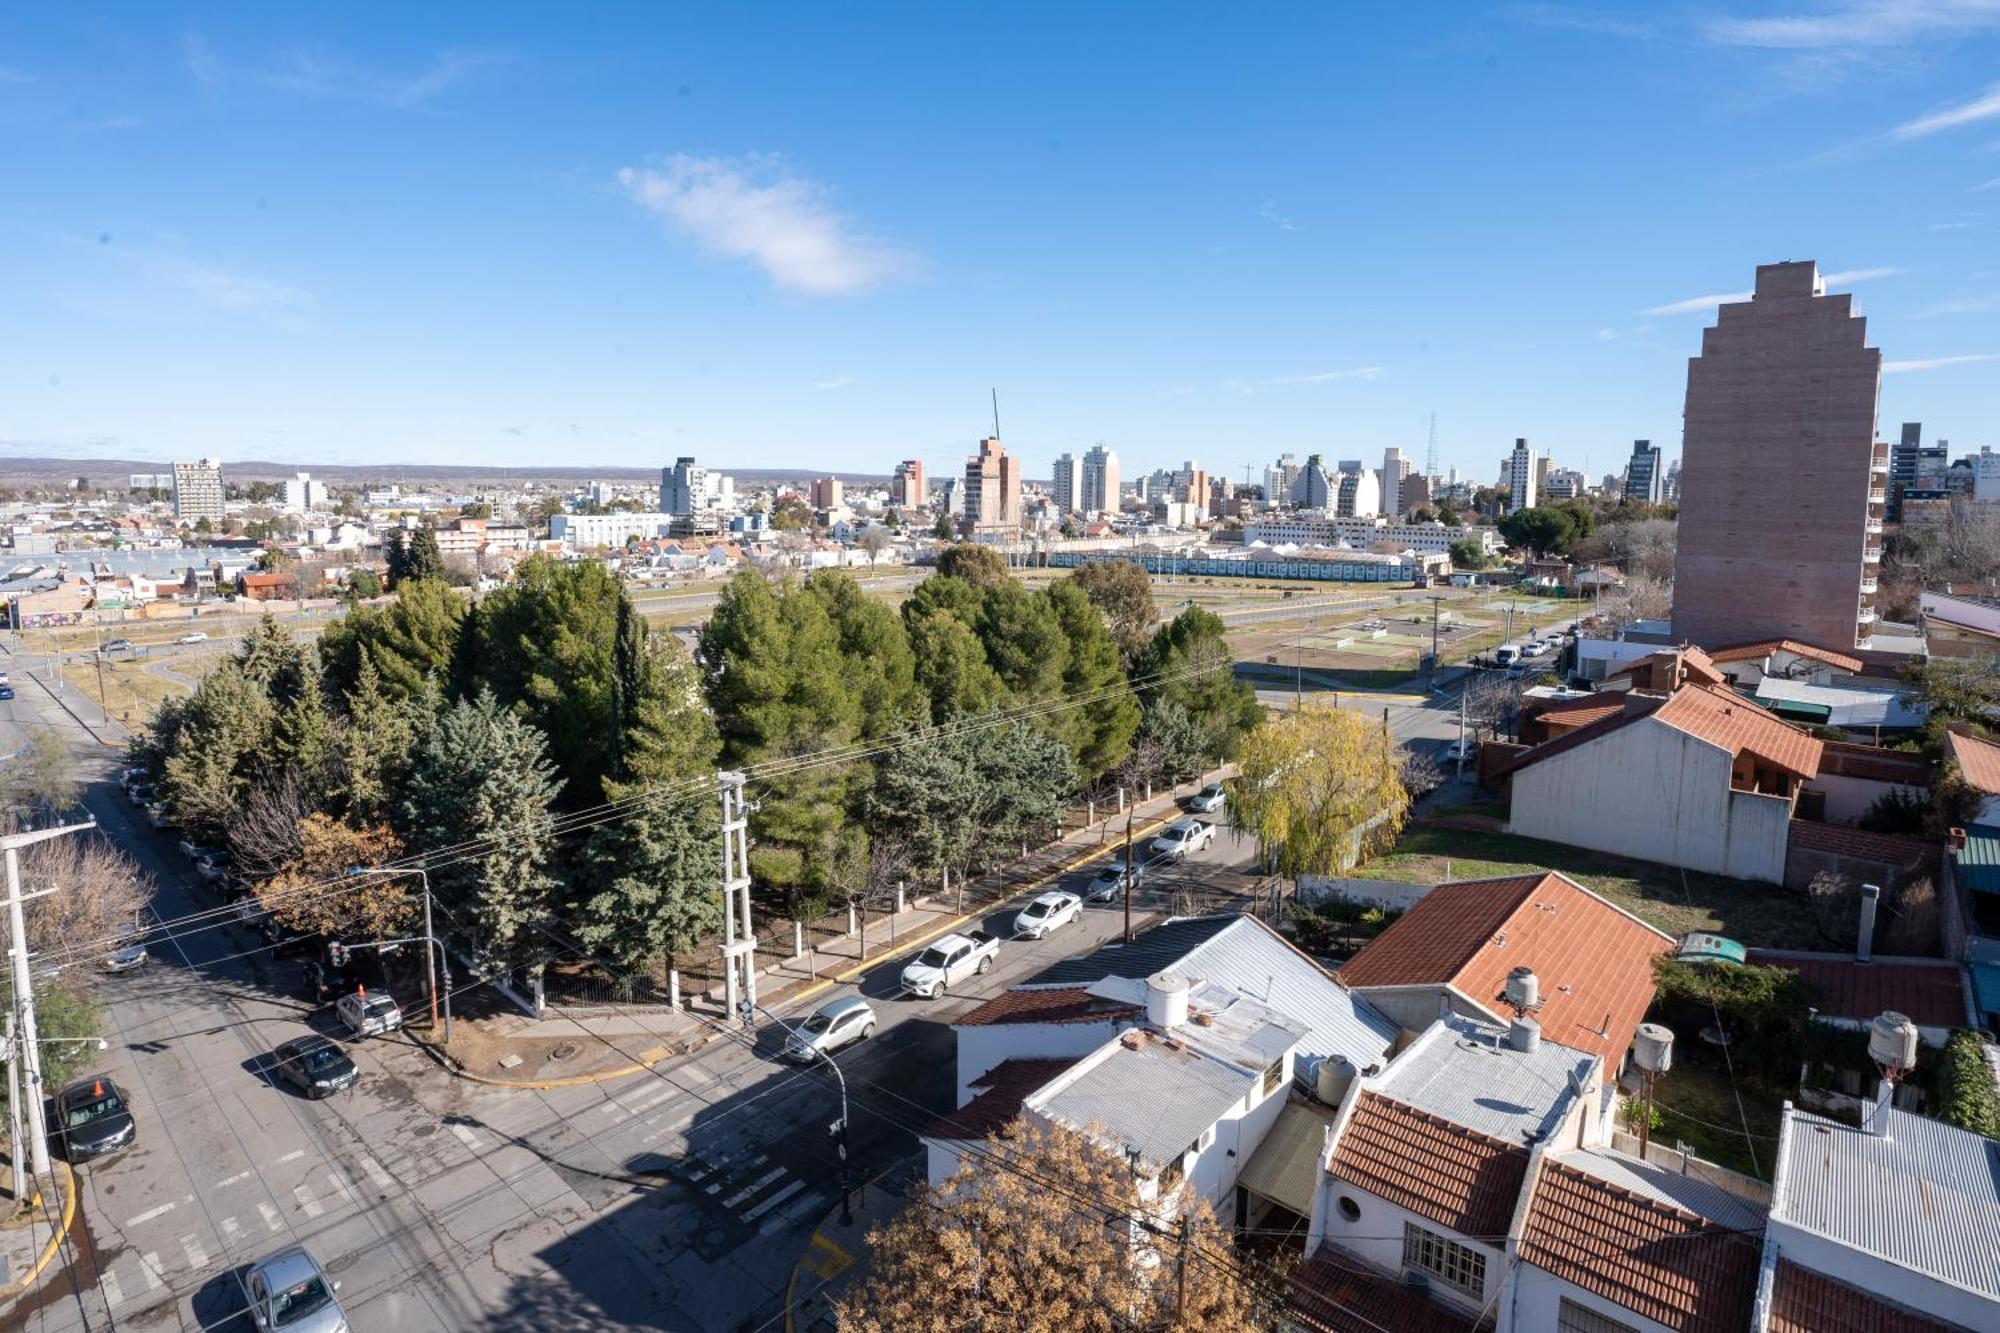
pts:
[1688, 1193]
[1285, 1166]
[1153, 1098]
[1978, 760]
[1149, 952]
[1465, 1072]
[1925, 1196]
[1979, 860]
[1845, 705]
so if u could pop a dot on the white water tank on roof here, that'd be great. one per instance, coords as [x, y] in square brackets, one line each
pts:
[1332, 1079]
[1166, 1000]
[1524, 1035]
[1653, 1048]
[1892, 1041]
[1524, 988]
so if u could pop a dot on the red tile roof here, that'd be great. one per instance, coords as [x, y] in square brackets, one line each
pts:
[1452, 1175]
[1978, 760]
[1572, 713]
[1653, 1259]
[1064, 1004]
[1594, 962]
[1932, 994]
[1334, 1294]
[1803, 1301]
[1671, 668]
[1743, 652]
[1840, 840]
[1726, 719]
[1006, 1085]
[1637, 706]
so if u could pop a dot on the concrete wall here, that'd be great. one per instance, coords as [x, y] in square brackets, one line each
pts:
[1657, 794]
[1535, 1303]
[1213, 1171]
[1879, 1277]
[1847, 799]
[1388, 894]
[1376, 1237]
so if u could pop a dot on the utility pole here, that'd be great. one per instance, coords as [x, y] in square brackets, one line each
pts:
[14, 1113]
[25, 1040]
[435, 961]
[1464, 689]
[1430, 680]
[739, 943]
[1130, 810]
[1180, 1283]
[838, 1129]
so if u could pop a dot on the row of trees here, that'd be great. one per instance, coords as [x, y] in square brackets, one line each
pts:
[473, 735]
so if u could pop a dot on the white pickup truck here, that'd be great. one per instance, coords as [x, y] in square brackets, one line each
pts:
[949, 959]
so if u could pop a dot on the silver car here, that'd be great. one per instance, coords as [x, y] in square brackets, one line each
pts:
[126, 959]
[289, 1290]
[368, 1015]
[1109, 881]
[835, 1024]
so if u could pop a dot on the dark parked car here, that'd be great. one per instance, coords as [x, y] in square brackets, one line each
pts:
[314, 1065]
[324, 983]
[93, 1120]
[6, 691]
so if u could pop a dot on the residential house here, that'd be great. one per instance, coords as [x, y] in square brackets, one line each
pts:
[1698, 778]
[268, 587]
[1963, 626]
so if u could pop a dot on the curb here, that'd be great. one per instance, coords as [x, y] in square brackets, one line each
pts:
[456, 1070]
[904, 946]
[792, 1282]
[55, 1242]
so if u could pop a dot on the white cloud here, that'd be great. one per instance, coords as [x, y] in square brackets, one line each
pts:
[1269, 212]
[1858, 24]
[227, 289]
[1317, 377]
[1984, 107]
[837, 382]
[1694, 303]
[1847, 277]
[754, 208]
[1993, 184]
[1965, 305]
[1948, 226]
[328, 78]
[1937, 362]
[1568, 18]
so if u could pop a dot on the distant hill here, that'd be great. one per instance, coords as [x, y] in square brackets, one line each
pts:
[106, 471]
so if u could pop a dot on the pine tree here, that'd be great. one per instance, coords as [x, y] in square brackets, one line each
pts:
[302, 733]
[650, 883]
[221, 737]
[371, 749]
[424, 559]
[405, 640]
[396, 555]
[1104, 713]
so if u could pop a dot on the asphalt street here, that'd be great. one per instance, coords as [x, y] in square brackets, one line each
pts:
[674, 1199]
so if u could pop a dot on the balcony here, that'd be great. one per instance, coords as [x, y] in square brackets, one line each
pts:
[1878, 461]
[1867, 618]
[1868, 585]
[1871, 555]
[1874, 526]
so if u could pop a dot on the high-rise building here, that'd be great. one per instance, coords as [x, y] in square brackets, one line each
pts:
[1913, 466]
[1395, 469]
[198, 490]
[1523, 477]
[907, 489]
[1416, 493]
[1191, 487]
[1312, 488]
[1100, 482]
[1065, 485]
[303, 494]
[827, 493]
[992, 488]
[1783, 485]
[1644, 482]
[1356, 493]
[1280, 479]
[686, 488]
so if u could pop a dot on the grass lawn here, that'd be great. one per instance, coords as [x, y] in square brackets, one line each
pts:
[129, 692]
[1696, 1105]
[1757, 915]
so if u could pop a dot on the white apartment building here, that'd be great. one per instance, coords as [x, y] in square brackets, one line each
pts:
[1100, 482]
[1364, 534]
[198, 490]
[303, 495]
[1065, 485]
[1395, 468]
[686, 488]
[1522, 476]
[1357, 493]
[587, 532]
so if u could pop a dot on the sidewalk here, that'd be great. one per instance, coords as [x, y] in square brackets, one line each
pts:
[29, 1241]
[836, 1255]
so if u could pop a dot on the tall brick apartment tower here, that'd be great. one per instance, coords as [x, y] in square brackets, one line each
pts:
[1782, 482]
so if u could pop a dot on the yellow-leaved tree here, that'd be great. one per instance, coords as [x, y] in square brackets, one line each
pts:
[1321, 790]
[1042, 1230]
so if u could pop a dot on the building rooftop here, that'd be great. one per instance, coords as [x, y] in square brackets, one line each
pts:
[1744, 652]
[1639, 1250]
[1925, 1196]
[1332, 1293]
[1067, 1004]
[1465, 1072]
[1003, 1089]
[1860, 844]
[1436, 1169]
[1978, 760]
[1846, 705]
[1146, 1093]
[1593, 960]
[1241, 956]
[1931, 992]
[1803, 1301]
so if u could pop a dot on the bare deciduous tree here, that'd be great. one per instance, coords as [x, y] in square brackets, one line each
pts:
[100, 893]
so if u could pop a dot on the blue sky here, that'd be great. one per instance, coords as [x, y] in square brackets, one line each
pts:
[815, 236]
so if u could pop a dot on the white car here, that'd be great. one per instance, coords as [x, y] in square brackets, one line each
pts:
[1209, 799]
[368, 1015]
[125, 958]
[199, 636]
[949, 959]
[1109, 881]
[1182, 838]
[1046, 912]
[1457, 750]
[835, 1024]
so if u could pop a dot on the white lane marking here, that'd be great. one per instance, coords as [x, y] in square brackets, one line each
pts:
[149, 1264]
[292, 1156]
[232, 1180]
[114, 1295]
[340, 1187]
[140, 1219]
[270, 1216]
[230, 1231]
[654, 1100]
[197, 1257]
[766, 1205]
[307, 1204]
[466, 1136]
[376, 1173]
[755, 1185]
[800, 1209]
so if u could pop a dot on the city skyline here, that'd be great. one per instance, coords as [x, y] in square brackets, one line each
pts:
[274, 237]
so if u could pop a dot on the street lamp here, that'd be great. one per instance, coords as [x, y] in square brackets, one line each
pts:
[839, 1127]
[435, 960]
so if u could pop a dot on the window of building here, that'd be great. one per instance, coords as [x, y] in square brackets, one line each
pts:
[1574, 1318]
[1454, 1264]
[1274, 1076]
[1206, 1137]
[1349, 1209]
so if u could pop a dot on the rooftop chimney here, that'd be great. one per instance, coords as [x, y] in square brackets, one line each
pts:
[1864, 941]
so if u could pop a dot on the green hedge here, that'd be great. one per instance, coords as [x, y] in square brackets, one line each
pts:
[1962, 1086]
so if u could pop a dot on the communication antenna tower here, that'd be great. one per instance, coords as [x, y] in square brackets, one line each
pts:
[1431, 453]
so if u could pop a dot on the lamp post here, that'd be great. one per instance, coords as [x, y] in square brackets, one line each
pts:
[435, 961]
[839, 1127]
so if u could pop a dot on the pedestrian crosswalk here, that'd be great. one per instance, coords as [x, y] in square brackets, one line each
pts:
[749, 1192]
